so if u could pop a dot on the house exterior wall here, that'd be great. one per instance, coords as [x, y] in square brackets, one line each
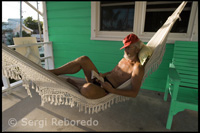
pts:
[69, 26]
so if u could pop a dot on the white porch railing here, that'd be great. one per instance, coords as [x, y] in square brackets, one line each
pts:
[48, 64]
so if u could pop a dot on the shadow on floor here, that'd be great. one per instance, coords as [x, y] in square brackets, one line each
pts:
[146, 112]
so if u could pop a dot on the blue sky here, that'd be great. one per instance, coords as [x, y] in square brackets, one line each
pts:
[11, 9]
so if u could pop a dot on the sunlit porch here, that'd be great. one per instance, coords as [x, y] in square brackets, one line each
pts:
[147, 112]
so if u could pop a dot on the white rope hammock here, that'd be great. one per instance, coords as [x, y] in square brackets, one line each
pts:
[57, 92]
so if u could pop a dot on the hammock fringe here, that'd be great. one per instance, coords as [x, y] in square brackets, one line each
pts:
[52, 90]
[16, 70]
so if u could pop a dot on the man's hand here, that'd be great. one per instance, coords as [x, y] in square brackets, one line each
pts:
[107, 86]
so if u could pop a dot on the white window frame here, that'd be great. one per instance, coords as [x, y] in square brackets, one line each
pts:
[138, 27]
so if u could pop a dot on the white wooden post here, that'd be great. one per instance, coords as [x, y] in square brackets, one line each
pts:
[195, 28]
[48, 48]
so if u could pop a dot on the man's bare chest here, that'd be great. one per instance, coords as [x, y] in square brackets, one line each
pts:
[124, 66]
[120, 74]
[123, 69]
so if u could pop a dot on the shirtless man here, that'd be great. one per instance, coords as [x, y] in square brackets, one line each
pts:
[128, 67]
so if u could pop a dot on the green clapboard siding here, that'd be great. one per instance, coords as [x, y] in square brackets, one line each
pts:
[69, 25]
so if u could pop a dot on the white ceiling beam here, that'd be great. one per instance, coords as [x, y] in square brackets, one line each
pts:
[33, 8]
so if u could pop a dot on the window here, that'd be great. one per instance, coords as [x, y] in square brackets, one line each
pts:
[116, 16]
[115, 20]
[158, 12]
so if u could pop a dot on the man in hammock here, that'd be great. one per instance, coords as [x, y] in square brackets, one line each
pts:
[128, 67]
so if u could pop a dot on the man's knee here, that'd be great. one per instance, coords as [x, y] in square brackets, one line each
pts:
[86, 90]
[83, 59]
[91, 91]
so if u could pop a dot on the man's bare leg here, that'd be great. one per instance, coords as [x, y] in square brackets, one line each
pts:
[75, 66]
[92, 91]
[74, 82]
[89, 89]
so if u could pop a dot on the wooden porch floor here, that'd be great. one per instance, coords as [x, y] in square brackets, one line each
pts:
[147, 112]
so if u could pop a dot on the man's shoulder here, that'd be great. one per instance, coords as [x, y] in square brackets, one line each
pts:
[138, 66]
[122, 61]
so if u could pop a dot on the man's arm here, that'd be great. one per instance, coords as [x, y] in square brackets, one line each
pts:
[136, 79]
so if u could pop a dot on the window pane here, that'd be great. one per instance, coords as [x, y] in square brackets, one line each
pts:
[158, 12]
[116, 17]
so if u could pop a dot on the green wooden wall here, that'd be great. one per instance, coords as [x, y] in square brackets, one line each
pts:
[69, 25]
